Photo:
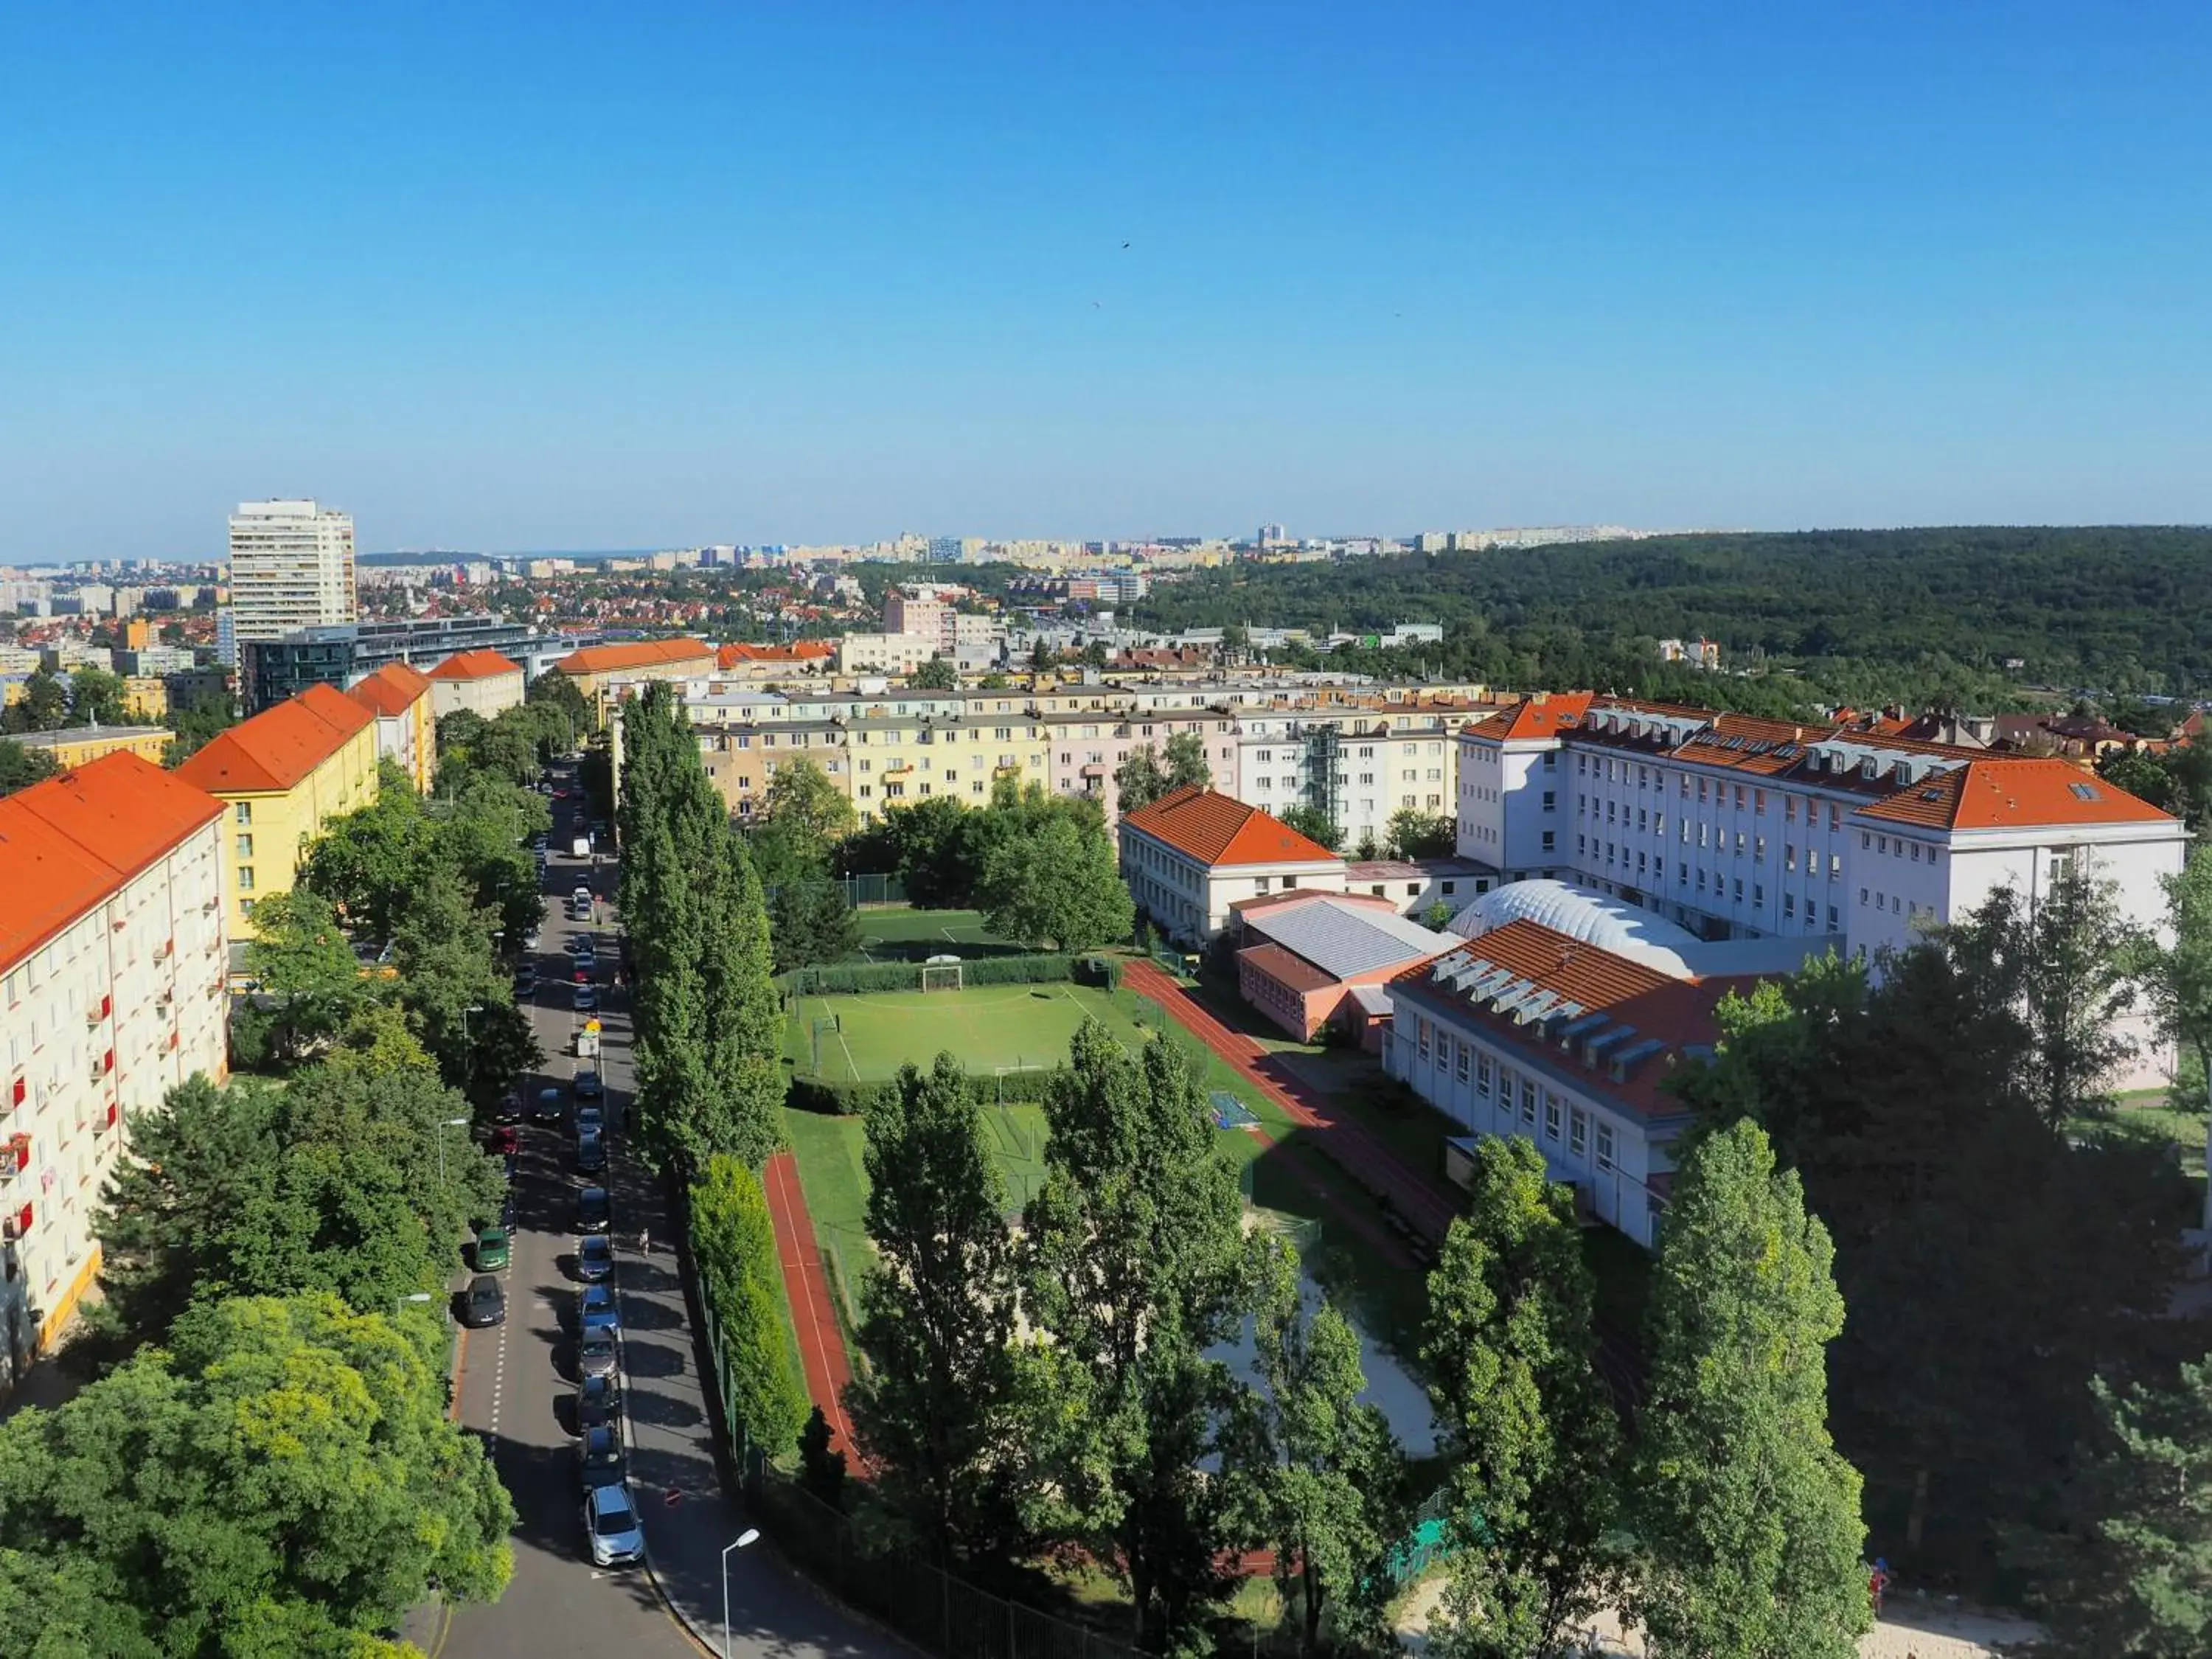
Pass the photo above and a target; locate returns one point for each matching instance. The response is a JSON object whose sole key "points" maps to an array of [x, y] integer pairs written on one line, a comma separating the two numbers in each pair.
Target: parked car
{"points": [[590, 1116], [592, 1209], [587, 998], [503, 1138], [526, 984], [599, 1457], [492, 1250], [611, 1523], [596, 1353], [533, 940], [551, 1108], [596, 1308], [595, 1257], [510, 1107], [586, 1085], [483, 1302], [598, 1400], [591, 1152], [580, 895]]}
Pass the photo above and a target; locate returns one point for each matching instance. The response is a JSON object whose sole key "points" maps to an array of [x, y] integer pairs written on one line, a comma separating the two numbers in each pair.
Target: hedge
{"points": [[848, 977], [733, 1244], [1022, 1088]]}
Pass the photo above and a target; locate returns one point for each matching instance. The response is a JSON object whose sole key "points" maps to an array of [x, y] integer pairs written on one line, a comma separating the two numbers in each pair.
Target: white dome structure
{"points": [[1591, 918]]}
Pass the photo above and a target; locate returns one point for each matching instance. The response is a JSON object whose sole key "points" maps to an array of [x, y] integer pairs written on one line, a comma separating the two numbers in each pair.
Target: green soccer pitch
{"points": [[989, 1029]]}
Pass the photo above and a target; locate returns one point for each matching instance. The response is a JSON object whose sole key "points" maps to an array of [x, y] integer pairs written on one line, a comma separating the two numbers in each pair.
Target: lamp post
{"points": [[750, 1535], [398, 1303], [444, 1124]]}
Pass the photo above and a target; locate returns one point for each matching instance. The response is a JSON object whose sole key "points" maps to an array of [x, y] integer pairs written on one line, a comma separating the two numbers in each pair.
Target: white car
{"points": [[611, 1523]]}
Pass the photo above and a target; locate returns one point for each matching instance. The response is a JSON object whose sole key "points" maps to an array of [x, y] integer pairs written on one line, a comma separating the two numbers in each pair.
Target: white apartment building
{"points": [[291, 567], [113, 959], [1358, 765], [1737, 827], [1191, 854]]}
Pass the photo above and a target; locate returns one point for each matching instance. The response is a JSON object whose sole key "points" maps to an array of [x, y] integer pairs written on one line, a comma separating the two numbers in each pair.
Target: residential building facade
{"points": [[483, 682], [80, 745], [291, 567], [282, 775], [113, 970], [406, 735], [596, 668], [273, 670]]}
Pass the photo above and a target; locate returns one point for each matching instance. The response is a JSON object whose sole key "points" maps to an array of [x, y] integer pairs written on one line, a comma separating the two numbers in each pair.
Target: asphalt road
{"points": [[517, 1378]]}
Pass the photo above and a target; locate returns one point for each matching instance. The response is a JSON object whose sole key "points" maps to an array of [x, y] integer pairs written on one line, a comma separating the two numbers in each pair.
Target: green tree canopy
{"points": [[20, 768], [1314, 825], [1747, 1519], [281, 1477], [734, 1244], [937, 674], [1057, 885], [301, 957]]}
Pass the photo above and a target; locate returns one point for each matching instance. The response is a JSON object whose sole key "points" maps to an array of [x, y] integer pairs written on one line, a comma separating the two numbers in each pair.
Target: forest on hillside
{"points": [[1922, 616]]}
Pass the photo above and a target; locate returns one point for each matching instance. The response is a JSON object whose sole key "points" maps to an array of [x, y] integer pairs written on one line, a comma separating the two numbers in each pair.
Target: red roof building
{"points": [[1191, 854], [483, 682]]}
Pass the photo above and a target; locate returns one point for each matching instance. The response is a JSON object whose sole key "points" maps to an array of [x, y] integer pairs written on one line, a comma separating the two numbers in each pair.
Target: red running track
{"points": [[821, 1343]]}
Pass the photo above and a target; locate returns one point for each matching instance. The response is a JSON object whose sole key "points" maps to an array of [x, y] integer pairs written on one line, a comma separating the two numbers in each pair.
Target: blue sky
{"points": [[557, 276]]}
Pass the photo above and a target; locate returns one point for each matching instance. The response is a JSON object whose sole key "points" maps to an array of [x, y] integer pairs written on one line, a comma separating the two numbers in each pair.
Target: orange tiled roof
{"points": [[475, 666], [634, 653], [730, 656], [1678, 1013], [1217, 829], [278, 747], [2011, 794], [1544, 715], [68, 842], [391, 690]]}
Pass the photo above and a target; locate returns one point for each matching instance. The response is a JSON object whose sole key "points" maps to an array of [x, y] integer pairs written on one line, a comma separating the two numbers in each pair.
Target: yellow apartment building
{"points": [[78, 745], [907, 760], [400, 697], [596, 667], [280, 776]]}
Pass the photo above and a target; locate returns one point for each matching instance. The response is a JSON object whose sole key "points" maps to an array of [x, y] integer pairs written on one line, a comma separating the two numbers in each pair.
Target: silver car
{"points": [[595, 1257], [611, 1523], [596, 1353]]}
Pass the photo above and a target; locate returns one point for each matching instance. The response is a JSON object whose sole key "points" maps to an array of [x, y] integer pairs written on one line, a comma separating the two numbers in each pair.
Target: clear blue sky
{"points": [[562, 276]]}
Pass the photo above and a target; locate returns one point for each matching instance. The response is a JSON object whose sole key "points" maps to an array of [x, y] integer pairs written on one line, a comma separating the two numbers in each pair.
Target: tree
{"points": [[1140, 780], [1043, 656], [733, 1242], [1314, 825], [282, 1479], [195, 722], [821, 1470], [555, 690], [800, 795], [2136, 1581], [1418, 834], [741, 1013], [1315, 1474], [2177, 972], [96, 698], [459, 1001], [934, 850], [937, 674], [933, 1409], [1184, 760], [21, 768], [2064, 963], [1536, 1448], [44, 706], [299, 957], [1058, 885], [1437, 916], [367, 862], [1133, 1268], [1747, 1518], [811, 923]]}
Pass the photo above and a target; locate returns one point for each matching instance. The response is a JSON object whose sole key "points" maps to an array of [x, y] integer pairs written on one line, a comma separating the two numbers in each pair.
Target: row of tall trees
{"points": [[795, 846], [1040, 867], [1060, 1385], [709, 1026]]}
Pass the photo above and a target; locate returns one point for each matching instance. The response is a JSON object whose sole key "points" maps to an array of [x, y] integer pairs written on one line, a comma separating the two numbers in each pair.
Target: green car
{"points": [[491, 1249]]}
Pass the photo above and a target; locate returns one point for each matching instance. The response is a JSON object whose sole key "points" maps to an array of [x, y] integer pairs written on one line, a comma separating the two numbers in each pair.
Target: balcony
{"points": [[100, 1011], [14, 1156]]}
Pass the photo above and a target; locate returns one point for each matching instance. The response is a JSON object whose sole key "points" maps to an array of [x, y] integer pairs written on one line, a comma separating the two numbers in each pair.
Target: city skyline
{"points": [[519, 280]]}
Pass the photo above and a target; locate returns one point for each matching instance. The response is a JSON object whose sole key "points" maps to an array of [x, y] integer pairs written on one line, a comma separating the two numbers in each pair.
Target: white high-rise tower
{"points": [[291, 567]]}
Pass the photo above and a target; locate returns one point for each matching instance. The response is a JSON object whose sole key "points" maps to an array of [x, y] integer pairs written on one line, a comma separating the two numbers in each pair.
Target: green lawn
{"points": [[989, 1029], [899, 932]]}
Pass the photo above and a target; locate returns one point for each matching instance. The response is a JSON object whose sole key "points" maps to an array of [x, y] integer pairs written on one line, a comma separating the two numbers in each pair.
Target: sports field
{"points": [[989, 1029], [901, 933]]}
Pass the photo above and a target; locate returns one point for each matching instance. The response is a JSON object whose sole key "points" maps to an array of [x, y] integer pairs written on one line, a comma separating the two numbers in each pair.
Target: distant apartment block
{"points": [[399, 697], [272, 669], [595, 669], [291, 567], [483, 682], [80, 745], [113, 979]]}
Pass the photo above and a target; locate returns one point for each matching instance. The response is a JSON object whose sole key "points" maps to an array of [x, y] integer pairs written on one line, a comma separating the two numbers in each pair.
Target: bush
{"points": [[733, 1244], [846, 978], [1023, 1088], [252, 1031]]}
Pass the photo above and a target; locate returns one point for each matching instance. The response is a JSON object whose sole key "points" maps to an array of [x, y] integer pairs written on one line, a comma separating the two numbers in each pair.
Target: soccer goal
{"points": [[941, 976]]}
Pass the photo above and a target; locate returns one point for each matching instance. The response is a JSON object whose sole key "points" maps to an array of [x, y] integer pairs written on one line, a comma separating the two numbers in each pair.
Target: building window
{"points": [[1551, 1118], [1528, 1102], [1482, 1075], [1424, 1026], [1550, 841], [245, 847], [1460, 1068], [242, 813], [245, 878], [1579, 1132], [1605, 1146]]}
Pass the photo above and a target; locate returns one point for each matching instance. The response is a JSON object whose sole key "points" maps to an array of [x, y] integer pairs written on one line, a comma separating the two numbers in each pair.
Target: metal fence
{"points": [[873, 890]]}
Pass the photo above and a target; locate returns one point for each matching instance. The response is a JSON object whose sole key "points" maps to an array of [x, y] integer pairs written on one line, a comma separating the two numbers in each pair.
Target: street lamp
{"points": [[750, 1535], [398, 1302], [444, 1124]]}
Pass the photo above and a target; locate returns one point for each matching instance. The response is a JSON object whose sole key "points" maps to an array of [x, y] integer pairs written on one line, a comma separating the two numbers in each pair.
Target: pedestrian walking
{"points": [[645, 1241]]}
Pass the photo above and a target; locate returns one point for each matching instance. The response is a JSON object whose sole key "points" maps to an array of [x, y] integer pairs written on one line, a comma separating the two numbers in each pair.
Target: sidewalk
{"points": [[677, 1471]]}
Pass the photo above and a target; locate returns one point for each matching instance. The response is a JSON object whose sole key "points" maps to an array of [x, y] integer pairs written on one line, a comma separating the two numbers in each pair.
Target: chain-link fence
{"points": [[873, 890]]}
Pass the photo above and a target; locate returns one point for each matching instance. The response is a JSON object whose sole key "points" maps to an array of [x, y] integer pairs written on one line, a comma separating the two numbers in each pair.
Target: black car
{"points": [[483, 1302], [599, 1457], [598, 1399], [510, 1107], [593, 1210]]}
